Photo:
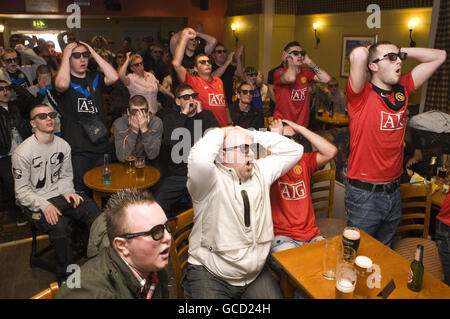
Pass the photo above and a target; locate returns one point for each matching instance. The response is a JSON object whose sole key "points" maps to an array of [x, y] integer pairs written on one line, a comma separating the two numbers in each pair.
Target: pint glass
{"points": [[140, 168], [351, 237], [345, 281], [363, 267]]}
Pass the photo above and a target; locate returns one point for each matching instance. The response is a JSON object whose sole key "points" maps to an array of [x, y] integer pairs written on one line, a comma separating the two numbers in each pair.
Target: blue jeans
{"points": [[199, 283], [280, 243], [443, 244], [376, 213]]}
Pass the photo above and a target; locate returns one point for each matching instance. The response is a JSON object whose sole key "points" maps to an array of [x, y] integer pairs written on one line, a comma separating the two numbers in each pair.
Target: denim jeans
{"points": [[199, 283], [280, 243], [443, 244], [171, 191], [376, 213], [81, 163]]}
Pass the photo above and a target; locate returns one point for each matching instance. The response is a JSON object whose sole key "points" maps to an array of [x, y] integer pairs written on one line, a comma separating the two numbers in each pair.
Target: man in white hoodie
{"points": [[233, 228]]}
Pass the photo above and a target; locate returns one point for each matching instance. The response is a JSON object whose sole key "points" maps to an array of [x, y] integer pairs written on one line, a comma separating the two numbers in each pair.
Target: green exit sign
{"points": [[40, 24]]}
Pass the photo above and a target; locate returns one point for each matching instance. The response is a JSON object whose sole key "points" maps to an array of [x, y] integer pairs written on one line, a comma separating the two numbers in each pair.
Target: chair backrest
{"points": [[416, 207], [180, 246], [323, 182], [48, 293]]}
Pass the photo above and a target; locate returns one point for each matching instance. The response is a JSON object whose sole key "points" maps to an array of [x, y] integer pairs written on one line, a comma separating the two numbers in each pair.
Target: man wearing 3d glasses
{"points": [[291, 84], [131, 264], [233, 228], [42, 171], [377, 111]]}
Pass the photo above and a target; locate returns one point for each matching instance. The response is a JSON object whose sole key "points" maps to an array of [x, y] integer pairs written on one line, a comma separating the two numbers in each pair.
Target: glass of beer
{"points": [[363, 267], [350, 237], [140, 168], [345, 281], [129, 164]]}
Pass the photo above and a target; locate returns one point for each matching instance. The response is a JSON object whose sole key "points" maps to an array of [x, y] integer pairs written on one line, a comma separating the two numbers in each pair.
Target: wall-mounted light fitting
{"points": [[411, 25], [234, 29], [315, 26], [2, 28]]}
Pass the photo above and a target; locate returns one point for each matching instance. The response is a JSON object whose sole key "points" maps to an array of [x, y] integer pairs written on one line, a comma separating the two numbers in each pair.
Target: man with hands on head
{"points": [[233, 228], [209, 88], [138, 132], [291, 84], [290, 195], [42, 172], [81, 98], [192, 119], [377, 112]]}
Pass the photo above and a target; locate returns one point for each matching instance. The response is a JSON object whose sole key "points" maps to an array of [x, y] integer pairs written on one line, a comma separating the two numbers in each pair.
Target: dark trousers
{"points": [[6, 178], [171, 191], [84, 214], [81, 163]]}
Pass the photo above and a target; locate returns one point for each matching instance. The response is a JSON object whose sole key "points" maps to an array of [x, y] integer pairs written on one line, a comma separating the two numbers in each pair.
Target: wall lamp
{"points": [[234, 28], [2, 28], [315, 26], [411, 25]]}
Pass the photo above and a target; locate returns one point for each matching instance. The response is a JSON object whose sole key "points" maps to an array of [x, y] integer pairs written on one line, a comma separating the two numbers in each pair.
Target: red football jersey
{"points": [[293, 99], [212, 96], [376, 133], [444, 214], [290, 197]]}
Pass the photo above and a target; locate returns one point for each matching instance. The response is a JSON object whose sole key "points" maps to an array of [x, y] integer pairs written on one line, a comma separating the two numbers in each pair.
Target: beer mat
{"points": [[387, 290]]}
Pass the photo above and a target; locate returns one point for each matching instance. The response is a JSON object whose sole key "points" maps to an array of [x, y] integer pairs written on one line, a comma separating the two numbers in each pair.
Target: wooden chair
{"points": [[416, 208], [48, 293], [180, 246], [322, 194]]}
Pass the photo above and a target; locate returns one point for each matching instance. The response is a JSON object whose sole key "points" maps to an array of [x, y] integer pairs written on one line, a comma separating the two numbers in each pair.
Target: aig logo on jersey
{"points": [[216, 99], [86, 105], [392, 121], [292, 191], [298, 95]]}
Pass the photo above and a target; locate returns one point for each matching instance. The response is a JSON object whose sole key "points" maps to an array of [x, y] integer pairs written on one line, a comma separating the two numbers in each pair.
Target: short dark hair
{"points": [[36, 106], [116, 207], [373, 52], [43, 69], [199, 56], [182, 87], [219, 44], [138, 100], [242, 84], [291, 44], [250, 69]]}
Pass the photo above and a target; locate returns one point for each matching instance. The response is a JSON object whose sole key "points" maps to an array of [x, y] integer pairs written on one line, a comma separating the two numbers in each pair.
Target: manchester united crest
{"points": [[297, 169], [399, 96], [303, 79]]}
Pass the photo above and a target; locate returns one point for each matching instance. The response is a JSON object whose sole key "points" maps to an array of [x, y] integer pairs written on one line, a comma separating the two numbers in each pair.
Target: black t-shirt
{"points": [[227, 79], [76, 104]]}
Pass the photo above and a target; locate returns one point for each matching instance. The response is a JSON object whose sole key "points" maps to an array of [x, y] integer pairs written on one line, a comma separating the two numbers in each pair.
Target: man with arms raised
{"points": [[377, 111], [210, 88]]}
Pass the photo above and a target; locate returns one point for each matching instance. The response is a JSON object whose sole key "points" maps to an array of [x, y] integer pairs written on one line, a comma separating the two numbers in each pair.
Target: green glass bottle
{"points": [[416, 271]]}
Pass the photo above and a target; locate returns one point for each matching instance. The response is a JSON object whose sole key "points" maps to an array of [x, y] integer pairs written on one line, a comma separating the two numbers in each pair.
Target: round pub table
{"points": [[337, 119], [119, 180]]}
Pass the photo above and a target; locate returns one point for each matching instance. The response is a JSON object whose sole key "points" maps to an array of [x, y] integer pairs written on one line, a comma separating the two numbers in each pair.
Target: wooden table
{"points": [[302, 267], [119, 180], [338, 119]]}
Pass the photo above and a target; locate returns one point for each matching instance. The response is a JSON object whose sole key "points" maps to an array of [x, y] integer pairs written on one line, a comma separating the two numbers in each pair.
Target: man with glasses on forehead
{"points": [[43, 178], [13, 72], [377, 111], [192, 120], [226, 71], [131, 265], [138, 132], [243, 112], [291, 84], [81, 99], [233, 228], [253, 77], [210, 88]]}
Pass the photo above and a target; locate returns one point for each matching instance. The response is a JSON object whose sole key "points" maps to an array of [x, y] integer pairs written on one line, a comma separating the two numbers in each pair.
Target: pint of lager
{"points": [[345, 281], [350, 237], [129, 164], [140, 168], [363, 266]]}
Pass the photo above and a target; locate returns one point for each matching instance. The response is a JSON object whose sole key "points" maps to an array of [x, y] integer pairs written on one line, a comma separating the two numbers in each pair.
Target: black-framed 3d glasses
{"points": [[11, 60], [77, 55], [245, 92], [297, 53], [186, 97], [157, 232], [43, 116], [7, 88], [392, 56], [244, 148]]}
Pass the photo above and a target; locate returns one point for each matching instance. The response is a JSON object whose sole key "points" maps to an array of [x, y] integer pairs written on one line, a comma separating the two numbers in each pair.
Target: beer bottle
{"points": [[106, 170], [416, 271], [432, 169]]}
